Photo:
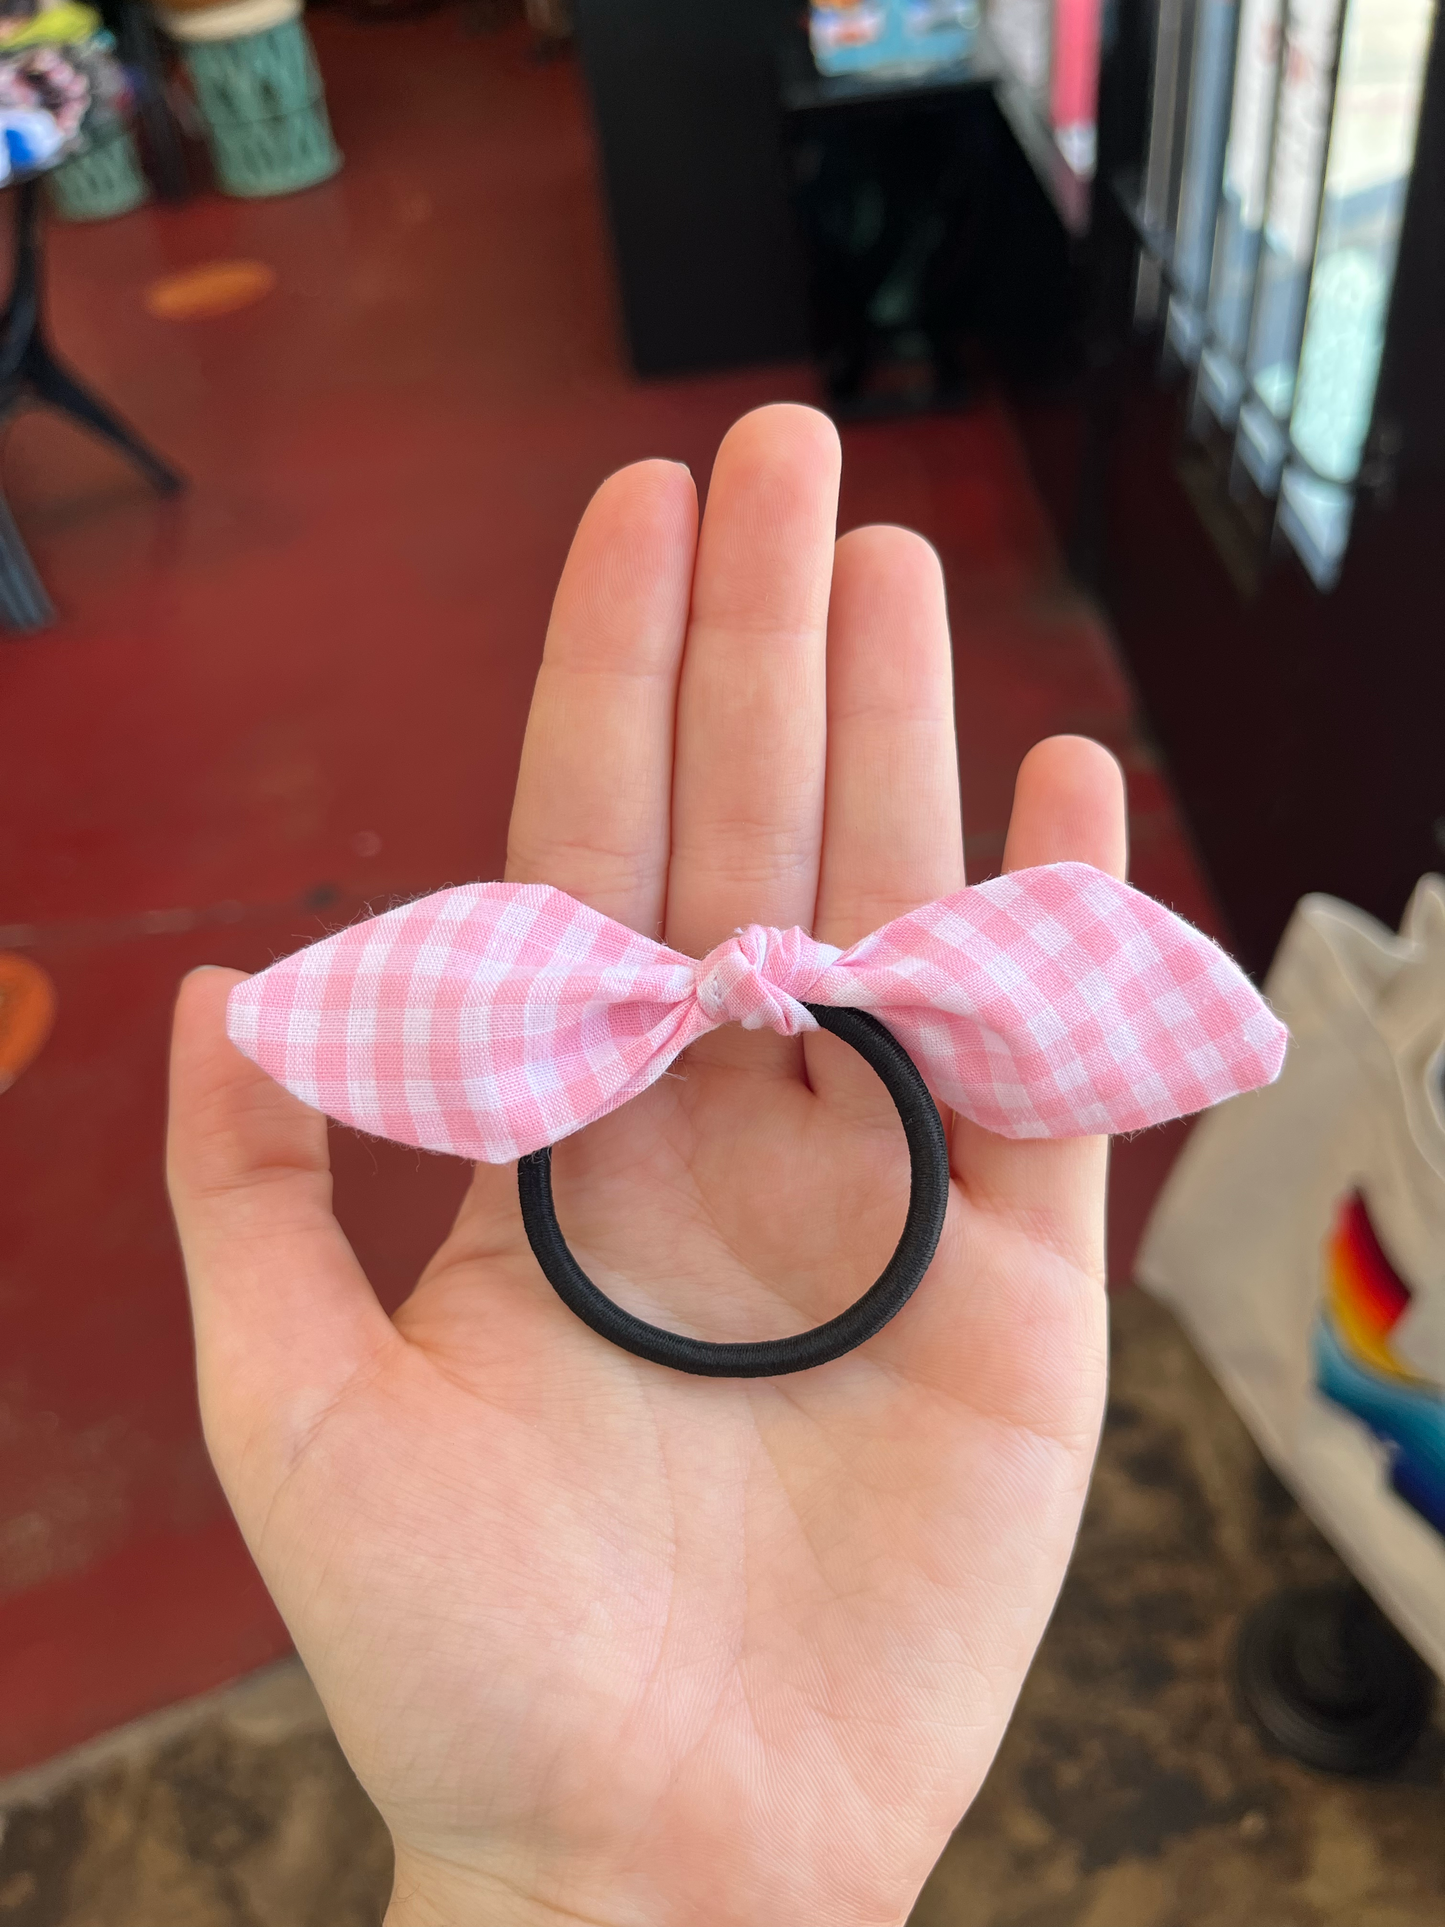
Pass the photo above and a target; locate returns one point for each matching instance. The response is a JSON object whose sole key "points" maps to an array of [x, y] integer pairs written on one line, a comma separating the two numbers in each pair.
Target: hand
{"points": [[605, 1643]]}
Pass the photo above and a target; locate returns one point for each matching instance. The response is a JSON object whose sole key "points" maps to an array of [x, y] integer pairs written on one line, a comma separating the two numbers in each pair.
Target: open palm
{"points": [[606, 1643]]}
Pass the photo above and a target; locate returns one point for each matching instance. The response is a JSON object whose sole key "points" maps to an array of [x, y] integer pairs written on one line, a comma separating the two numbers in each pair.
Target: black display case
{"points": [[685, 99], [738, 179]]}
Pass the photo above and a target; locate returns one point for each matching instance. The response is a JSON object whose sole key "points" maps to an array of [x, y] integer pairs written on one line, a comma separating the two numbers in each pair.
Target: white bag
{"points": [[1301, 1241]]}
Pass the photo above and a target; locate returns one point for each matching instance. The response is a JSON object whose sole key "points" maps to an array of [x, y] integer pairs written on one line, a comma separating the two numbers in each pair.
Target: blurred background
{"points": [[321, 332]]}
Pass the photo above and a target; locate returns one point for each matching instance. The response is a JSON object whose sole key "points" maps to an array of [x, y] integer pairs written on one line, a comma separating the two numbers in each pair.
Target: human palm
{"points": [[604, 1642]]}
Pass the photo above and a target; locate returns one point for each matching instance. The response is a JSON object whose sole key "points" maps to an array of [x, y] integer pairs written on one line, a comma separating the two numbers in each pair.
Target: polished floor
{"points": [[300, 688]]}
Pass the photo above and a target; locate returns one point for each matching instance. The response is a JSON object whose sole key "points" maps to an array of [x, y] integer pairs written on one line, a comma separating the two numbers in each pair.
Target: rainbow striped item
{"points": [[1358, 1368]]}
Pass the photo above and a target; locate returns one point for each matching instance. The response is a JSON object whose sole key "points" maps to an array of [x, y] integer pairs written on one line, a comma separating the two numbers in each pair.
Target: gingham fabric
{"points": [[493, 1019]]}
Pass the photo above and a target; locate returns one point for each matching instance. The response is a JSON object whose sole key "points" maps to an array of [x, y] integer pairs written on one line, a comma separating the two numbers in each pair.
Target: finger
{"points": [[1028, 1352], [591, 814], [284, 1317], [1068, 807], [893, 828], [747, 812]]}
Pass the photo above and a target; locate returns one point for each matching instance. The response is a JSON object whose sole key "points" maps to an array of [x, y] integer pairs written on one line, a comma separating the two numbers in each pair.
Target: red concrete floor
{"points": [[300, 688]]}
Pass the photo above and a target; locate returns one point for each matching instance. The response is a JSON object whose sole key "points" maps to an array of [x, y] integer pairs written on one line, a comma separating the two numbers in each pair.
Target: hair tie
{"points": [[492, 1020], [771, 1358]]}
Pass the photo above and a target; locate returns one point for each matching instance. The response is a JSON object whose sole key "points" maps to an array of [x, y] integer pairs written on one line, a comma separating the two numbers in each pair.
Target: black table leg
{"points": [[31, 372], [24, 605], [58, 388]]}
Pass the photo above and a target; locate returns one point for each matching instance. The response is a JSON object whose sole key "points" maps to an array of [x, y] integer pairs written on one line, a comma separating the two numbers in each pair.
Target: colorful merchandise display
{"points": [[870, 36], [60, 84]]}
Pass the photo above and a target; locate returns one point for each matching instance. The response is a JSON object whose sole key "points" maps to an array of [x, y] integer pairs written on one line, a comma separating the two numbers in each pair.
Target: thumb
{"points": [[284, 1317]]}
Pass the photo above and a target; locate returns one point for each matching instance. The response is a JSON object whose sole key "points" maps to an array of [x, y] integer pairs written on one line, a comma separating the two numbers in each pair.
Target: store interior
{"points": [[274, 672]]}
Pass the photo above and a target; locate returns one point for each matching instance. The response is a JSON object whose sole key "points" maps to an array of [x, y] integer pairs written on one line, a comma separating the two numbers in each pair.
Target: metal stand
{"points": [[30, 372], [1326, 1677]]}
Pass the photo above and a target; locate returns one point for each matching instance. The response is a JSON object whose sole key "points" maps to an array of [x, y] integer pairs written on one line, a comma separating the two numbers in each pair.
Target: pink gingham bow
{"points": [[493, 1019]]}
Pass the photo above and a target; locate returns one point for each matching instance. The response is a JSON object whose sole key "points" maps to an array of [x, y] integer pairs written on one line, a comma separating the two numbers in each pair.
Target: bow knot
{"points": [[760, 977]]}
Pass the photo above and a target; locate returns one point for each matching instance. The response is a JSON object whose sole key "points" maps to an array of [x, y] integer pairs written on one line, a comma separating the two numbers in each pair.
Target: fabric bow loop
{"points": [[760, 978], [496, 1018]]}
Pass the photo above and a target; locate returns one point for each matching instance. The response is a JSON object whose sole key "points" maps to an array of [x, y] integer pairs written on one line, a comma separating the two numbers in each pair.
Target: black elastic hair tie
{"points": [[769, 1358]]}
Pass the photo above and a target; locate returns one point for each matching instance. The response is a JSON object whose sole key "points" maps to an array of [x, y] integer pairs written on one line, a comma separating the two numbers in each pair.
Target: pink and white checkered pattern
{"points": [[491, 1020]]}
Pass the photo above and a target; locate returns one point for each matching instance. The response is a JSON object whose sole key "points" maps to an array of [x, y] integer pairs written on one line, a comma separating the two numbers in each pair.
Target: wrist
{"points": [[431, 1893]]}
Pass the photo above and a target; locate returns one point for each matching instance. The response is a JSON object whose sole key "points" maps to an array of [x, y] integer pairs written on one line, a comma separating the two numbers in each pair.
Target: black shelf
{"points": [[803, 90]]}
